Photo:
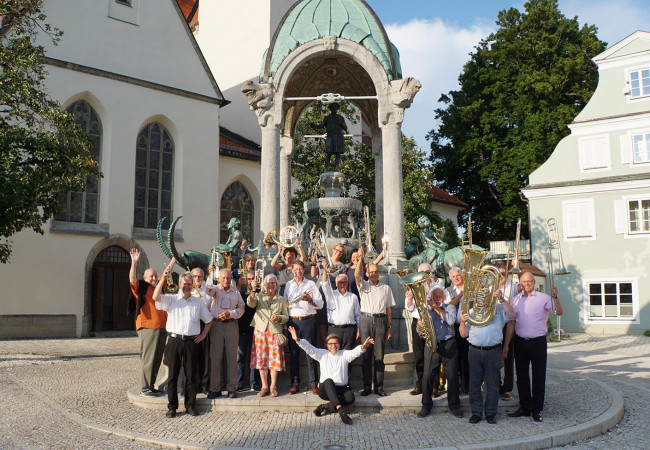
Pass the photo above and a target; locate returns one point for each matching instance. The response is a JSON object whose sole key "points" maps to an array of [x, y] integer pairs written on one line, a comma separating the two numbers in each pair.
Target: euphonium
{"points": [[416, 282], [481, 283]]}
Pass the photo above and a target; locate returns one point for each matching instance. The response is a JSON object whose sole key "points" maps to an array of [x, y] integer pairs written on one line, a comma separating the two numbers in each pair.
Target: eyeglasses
{"points": [[333, 343]]}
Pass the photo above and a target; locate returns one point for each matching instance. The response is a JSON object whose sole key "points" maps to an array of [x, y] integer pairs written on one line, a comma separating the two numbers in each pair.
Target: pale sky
{"points": [[435, 37]]}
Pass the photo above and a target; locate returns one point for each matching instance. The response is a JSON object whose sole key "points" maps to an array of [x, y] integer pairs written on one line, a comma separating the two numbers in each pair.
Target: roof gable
{"points": [[637, 42]]}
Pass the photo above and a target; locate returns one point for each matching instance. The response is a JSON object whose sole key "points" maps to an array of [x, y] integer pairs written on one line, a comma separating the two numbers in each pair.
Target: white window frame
{"points": [[594, 153], [611, 320], [568, 209], [622, 216], [628, 80]]}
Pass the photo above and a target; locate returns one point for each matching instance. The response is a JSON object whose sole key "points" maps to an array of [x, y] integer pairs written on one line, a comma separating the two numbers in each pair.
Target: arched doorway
{"points": [[110, 294]]}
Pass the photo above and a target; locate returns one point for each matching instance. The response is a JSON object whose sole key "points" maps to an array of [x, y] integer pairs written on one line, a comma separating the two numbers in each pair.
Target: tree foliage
{"points": [[43, 154], [358, 164], [522, 85]]}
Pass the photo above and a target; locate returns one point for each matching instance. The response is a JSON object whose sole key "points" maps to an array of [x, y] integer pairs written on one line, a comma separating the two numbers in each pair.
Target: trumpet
{"points": [[172, 287], [214, 261], [260, 265], [553, 244], [299, 296]]}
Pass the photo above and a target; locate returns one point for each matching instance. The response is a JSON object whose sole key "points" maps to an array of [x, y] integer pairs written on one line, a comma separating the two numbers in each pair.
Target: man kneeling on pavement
{"points": [[334, 375]]}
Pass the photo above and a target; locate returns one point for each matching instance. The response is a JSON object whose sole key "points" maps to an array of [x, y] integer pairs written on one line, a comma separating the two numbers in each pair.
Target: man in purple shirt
{"points": [[531, 310]]}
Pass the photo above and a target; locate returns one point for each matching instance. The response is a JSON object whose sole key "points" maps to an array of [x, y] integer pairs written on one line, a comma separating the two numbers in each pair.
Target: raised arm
{"points": [[358, 276], [133, 272]]}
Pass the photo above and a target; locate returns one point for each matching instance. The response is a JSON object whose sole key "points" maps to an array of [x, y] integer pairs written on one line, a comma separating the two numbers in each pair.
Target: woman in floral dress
{"points": [[270, 314]]}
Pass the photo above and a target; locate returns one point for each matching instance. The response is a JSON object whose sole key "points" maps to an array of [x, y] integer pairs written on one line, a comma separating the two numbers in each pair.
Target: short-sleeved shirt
{"points": [[149, 316], [531, 314], [490, 334], [184, 315], [375, 299]]}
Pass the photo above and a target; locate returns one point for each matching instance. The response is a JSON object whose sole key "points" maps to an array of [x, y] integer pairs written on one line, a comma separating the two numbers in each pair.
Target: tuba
{"points": [[416, 283], [481, 283]]}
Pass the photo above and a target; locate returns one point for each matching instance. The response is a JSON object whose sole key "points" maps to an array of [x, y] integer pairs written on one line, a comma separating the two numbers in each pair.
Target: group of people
{"points": [[472, 356], [248, 325]]}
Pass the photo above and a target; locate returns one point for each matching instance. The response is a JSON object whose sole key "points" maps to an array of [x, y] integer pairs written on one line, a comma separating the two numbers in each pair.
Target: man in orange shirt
{"points": [[149, 324]]}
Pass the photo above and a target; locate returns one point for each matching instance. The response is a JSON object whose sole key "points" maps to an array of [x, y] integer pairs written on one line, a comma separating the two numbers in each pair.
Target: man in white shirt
{"points": [[343, 309], [184, 314], [375, 322], [304, 299], [226, 307], [334, 374]]}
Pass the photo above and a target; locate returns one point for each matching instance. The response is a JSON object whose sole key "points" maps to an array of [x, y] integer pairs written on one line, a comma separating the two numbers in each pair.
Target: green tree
{"points": [[43, 153], [521, 87]]}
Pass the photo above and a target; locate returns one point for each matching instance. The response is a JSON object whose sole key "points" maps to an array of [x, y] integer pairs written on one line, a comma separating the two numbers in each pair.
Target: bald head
{"points": [[528, 282]]}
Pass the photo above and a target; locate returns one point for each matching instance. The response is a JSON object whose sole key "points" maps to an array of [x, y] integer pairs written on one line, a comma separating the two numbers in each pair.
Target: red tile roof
{"points": [[438, 195], [190, 10]]}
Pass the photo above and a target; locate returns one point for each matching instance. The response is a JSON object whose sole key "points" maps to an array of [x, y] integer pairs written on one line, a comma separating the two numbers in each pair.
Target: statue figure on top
{"points": [[334, 125]]}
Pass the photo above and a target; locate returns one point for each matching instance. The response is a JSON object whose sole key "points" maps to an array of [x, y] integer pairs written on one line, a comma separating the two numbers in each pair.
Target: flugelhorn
{"points": [[416, 283], [295, 300], [481, 283], [172, 287]]}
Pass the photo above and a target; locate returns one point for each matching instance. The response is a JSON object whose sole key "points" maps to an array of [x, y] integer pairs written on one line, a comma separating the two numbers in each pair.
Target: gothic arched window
{"points": [[153, 176], [83, 207], [236, 202]]}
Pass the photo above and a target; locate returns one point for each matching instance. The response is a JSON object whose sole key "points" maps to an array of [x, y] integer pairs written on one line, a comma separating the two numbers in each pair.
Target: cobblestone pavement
{"points": [[56, 402]]}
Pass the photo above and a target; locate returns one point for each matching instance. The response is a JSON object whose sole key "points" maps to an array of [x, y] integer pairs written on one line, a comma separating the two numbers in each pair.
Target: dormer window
{"points": [[639, 83]]}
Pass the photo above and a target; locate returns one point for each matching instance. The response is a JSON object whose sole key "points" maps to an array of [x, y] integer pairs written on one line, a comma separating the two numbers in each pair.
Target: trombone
{"points": [[554, 244], [213, 276]]}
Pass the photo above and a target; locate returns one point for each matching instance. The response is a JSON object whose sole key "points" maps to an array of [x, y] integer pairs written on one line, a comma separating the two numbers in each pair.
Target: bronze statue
{"points": [[334, 125]]}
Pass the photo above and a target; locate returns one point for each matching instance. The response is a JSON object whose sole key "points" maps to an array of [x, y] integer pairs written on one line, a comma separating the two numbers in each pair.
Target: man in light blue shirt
{"points": [[443, 317], [485, 360]]}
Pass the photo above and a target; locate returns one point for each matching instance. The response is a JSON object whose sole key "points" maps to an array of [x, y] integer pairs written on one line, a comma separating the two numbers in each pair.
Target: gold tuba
{"points": [[481, 283], [416, 283]]}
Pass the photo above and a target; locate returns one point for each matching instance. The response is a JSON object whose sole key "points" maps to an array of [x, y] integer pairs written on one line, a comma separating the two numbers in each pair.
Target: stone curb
{"points": [[599, 425]]}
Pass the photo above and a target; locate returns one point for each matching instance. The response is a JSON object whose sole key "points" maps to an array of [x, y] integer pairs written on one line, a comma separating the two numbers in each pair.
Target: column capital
{"points": [[261, 100], [396, 99]]}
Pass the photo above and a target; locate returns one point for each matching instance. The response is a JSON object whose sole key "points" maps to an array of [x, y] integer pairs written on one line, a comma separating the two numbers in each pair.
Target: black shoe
{"points": [[492, 419], [232, 394], [344, 417], [475, 419], [214, 394], [148, 393], [242, 389], [320, 410], [158, 393], [380, 392], [537, 416], [365, 392], [456, 412], [192, 411], [416, 391], [171, 413], [424, 412], [521, 412]]}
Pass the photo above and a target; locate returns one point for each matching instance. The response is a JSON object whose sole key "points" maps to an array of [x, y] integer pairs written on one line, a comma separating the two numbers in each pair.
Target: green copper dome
{"points": [[353, 20]]}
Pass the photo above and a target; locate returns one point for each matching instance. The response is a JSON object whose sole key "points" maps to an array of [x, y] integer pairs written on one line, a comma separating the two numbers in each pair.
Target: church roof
{"points": [[309, 20], [438, 195]]}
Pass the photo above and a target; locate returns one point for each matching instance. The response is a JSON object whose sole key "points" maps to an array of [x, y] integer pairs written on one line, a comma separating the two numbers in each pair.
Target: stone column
{"points": [[391, 133], [379, 188], [286, 152], [270, 185]]}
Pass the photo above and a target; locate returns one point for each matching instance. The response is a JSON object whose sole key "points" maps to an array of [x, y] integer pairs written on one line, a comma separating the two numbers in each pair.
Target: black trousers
{"points": [[508, 367], [418, 353], [181, 353], [463, 359], [203, 374], [348, 335], [531, 353], [484, 365], [306, 329], [376, 328], [447, 353], [335, 395]]}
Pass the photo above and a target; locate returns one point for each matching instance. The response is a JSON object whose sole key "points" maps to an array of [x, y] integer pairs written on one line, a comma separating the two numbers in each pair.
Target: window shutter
{"points": [[626, 150], [620, 217]]}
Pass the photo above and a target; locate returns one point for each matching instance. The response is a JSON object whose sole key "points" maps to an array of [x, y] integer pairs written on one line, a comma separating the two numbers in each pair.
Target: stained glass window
{"points": [[236, 202]]}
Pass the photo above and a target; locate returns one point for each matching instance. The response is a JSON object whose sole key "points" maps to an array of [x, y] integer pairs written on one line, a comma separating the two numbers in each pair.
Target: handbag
{"points": [[282, 339]]}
